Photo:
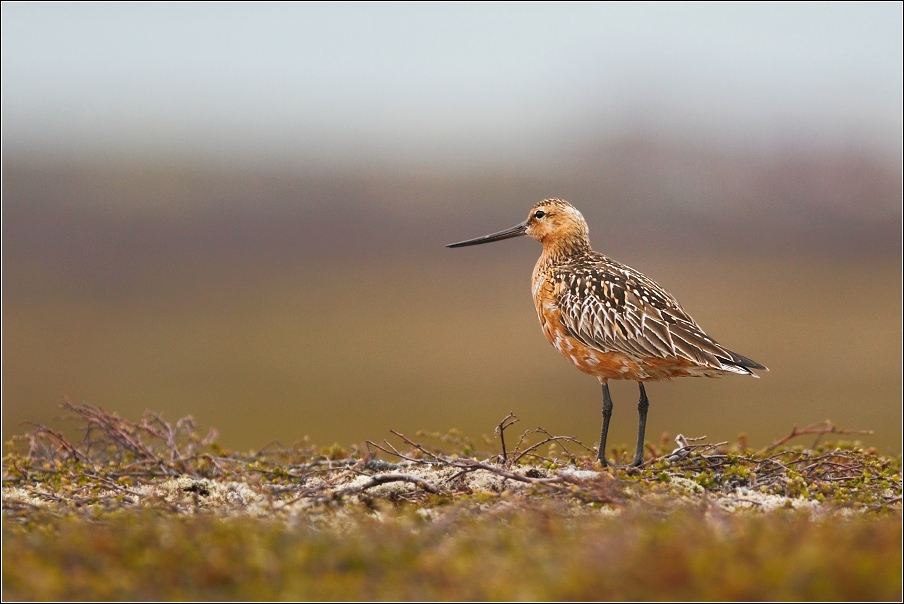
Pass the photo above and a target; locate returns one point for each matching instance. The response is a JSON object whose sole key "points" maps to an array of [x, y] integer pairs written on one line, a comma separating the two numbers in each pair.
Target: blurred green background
{"points": [[240, 212]]}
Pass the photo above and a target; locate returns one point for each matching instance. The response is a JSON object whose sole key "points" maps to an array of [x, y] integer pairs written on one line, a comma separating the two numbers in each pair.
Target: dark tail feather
{"points": [[741, 361]]}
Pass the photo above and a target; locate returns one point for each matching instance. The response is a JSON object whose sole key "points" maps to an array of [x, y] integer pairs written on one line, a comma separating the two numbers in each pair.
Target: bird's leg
{"points": [[642, 407], [607, 415]]}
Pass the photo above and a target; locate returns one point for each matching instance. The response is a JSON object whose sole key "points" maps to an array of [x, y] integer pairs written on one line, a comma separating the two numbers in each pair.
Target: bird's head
{"points": [[553, 222]]}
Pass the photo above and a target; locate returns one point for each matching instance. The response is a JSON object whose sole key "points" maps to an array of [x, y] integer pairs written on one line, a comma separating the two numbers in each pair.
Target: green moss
{"points": [[150, 510], [528, 552]]}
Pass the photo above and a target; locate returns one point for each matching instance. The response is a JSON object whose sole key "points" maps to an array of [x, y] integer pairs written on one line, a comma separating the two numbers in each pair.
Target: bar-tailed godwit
{"points": [[610, 320]]}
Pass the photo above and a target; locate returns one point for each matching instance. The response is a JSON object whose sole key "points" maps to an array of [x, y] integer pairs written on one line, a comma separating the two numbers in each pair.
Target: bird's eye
{"points": [[539, 214]]}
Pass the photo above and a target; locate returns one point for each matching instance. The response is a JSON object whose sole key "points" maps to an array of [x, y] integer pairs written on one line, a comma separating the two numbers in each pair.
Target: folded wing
{"points": [[611, 307]]}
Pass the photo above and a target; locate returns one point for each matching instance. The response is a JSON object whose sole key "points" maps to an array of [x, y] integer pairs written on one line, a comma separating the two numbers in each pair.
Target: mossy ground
{"points": [[151, 510]]}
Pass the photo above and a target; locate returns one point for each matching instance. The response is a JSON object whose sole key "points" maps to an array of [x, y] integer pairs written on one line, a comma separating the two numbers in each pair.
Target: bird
{"points": [[610, 320]]}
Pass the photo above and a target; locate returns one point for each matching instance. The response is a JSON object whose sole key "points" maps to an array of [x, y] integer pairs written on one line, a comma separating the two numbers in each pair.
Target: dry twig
{"points": [[820, 428]]}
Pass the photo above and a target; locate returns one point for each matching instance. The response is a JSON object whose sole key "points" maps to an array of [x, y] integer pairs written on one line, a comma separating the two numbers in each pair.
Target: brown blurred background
{"points": [[197, 221]]}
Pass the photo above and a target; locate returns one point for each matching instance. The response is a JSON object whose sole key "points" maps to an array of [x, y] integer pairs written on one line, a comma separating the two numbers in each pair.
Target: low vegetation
{"points": [[158, 510]]}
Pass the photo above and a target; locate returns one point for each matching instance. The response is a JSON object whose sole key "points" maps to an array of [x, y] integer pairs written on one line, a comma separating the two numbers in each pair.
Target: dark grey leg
{"points": [[607, 415], [642, 407]]}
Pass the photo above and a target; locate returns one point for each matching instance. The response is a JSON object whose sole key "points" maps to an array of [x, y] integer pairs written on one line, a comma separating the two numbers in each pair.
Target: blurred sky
{"points": [[442, 84], [239, 210]]}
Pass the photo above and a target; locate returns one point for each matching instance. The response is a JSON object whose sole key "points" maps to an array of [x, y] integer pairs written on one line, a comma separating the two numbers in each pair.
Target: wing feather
{"points": [[612, 308]]}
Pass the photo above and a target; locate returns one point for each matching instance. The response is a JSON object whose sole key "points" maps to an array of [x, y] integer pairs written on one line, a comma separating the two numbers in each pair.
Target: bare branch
{"points": [[821, 428], [387, 478], [500, 431]]}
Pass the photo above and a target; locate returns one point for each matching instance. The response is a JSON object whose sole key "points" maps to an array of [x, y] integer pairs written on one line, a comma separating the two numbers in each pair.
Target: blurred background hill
{"points": [[239, 212]]}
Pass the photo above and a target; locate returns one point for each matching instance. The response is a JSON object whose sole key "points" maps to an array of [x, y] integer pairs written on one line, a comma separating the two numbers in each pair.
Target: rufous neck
{"points": [[561, 248]]}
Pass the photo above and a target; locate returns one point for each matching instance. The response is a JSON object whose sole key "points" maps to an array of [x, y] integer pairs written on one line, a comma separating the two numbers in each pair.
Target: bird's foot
{"points": [[636, 463]]}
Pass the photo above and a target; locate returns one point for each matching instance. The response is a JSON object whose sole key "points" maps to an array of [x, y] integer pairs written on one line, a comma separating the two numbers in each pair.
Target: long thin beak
{"points": [[515, 231]]}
